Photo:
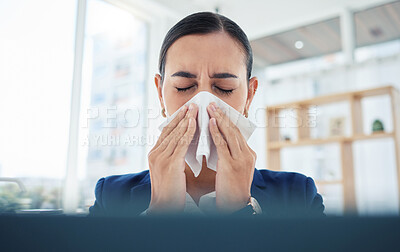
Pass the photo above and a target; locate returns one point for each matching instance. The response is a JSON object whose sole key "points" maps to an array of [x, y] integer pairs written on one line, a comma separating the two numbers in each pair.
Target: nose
{"points": [[204, 84]]}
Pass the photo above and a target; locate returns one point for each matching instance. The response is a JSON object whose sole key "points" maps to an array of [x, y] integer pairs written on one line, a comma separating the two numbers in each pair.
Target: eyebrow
{"points": [[215, 76], [184, 75], [223, 76]]}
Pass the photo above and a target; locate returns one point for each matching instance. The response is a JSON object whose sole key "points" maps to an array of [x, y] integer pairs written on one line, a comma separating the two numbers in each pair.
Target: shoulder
{"points": [[120, 184], [294, 183], [125, 181], [289, 190], [282, 179], [113, 193]]}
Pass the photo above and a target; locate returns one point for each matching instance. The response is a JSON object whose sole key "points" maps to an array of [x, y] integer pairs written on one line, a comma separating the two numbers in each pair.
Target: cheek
{"points": [[173, 101], [237, 100]]}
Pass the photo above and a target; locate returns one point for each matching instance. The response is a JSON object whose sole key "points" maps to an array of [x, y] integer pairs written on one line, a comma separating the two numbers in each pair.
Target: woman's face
{"points": [[214, 63]]}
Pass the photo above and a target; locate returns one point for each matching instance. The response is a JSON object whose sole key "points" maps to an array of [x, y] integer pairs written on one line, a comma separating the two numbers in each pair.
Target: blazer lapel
{"points": [[259, 191]]}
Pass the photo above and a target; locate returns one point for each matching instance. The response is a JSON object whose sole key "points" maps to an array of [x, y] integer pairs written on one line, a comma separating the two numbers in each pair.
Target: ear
{"points": [[253, 85], [158, 82]]}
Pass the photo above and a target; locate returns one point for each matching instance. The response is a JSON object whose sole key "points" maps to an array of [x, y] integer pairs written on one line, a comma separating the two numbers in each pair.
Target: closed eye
{"points": [[183, 89], [221, 90], [225, 91]]}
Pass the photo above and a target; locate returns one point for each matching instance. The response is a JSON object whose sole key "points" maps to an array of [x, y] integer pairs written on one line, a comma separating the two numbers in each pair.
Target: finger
{"points": [[181, 150], [169, 141], [226, 127], [219, 141], [177, 137], [173, 139], [171, 126]]}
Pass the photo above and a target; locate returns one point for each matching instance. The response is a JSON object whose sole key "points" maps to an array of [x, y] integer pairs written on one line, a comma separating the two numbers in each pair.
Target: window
{"points": [[36, 70], [36, 64], [113, 95]]}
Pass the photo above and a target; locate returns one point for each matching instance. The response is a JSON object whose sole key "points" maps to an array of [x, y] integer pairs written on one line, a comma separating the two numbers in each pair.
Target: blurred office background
{"points": [[78, 100]]}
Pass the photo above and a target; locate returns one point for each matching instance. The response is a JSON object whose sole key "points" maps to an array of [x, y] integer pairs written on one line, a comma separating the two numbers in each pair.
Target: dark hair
{"points": [[204, 23]]}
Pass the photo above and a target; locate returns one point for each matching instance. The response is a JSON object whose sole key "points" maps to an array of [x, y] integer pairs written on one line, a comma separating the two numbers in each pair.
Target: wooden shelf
{"points": [[339, 139], [385, 90], [301, 109]]}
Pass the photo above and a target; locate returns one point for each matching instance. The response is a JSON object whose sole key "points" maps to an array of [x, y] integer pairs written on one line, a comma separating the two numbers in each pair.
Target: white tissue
{"points": [[202, 143]]}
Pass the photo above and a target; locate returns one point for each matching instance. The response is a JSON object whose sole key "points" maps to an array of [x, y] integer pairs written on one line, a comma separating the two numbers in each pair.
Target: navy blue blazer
{"points": [[279, 194]]}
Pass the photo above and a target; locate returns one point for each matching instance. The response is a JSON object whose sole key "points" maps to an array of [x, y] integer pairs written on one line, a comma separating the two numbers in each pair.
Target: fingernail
{"points": [[213, 107], [191, 107], [191, 122], [213, 121]]}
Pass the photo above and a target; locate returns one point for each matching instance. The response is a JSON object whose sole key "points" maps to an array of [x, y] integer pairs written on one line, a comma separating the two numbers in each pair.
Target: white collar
{"points": [[206, 204]]}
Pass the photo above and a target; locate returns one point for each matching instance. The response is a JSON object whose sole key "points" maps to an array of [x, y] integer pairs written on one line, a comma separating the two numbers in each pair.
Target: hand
{"points": [[167, 163], [235, 165]]}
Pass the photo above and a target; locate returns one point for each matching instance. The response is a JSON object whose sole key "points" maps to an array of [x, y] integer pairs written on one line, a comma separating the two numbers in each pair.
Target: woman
{"points": [[205, 52]]}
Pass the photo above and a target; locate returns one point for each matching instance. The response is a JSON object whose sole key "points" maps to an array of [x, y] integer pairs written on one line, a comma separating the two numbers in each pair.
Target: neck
{"points": [[202, 184]]}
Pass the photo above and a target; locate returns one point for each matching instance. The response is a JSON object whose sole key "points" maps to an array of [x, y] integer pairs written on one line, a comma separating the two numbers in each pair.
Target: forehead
{"points": [[214, 50]]}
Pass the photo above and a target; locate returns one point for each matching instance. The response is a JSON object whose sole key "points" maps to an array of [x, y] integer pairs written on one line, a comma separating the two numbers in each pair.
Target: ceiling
{"points": [[259, 18], [312, 40], [372, 26], [378, 24], [275, 26]]}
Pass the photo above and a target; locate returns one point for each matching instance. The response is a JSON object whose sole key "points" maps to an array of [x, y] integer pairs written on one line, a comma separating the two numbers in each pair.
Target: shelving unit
{"points": [[274, 144]]}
